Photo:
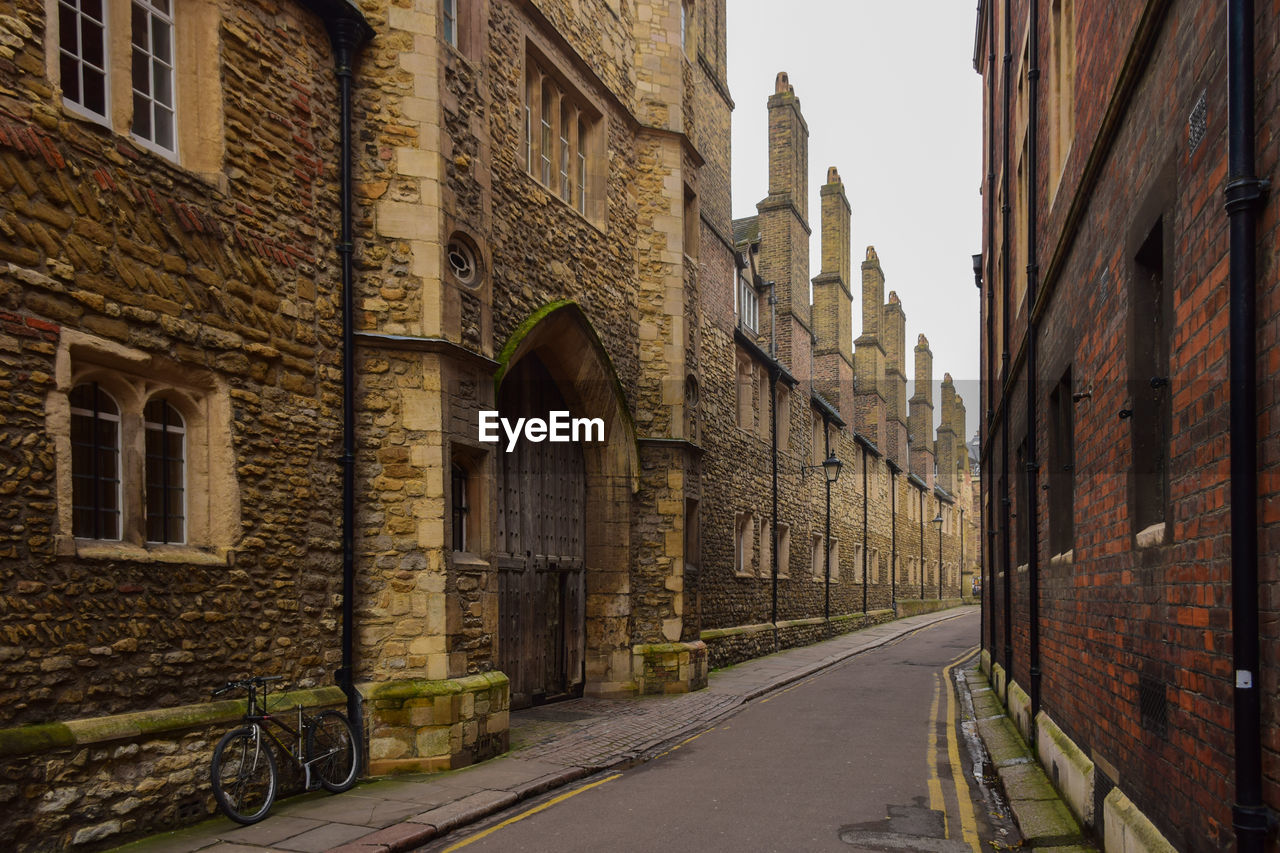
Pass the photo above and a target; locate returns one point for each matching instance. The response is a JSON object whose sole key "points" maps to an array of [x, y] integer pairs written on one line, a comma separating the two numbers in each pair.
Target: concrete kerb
{"points": [[1042, 817]]}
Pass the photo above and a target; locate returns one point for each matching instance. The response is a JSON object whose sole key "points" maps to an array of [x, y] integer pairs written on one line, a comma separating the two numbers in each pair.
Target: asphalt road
{"points": [[863, 756]]}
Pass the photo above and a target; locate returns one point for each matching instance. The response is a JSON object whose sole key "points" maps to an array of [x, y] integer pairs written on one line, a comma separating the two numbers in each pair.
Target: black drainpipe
{"points": [[1243, 198], [347, 32], [865, 498], [893, 541], [773, 410], [989, 493], [826, 592], [1033, 286], [1005, 284], [921, 544]]}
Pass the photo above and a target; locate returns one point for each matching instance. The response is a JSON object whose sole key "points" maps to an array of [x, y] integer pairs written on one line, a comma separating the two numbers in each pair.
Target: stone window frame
{"points": [[744, 533], [199, 137], [744, 384], [764, 565], [784, 549], [818, 559], [783, 443], [133, 379], [472, 462], [563, 133]]}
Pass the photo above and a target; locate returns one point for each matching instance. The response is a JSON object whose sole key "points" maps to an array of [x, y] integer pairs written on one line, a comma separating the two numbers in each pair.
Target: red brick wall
{"points": [[1118, 612]]}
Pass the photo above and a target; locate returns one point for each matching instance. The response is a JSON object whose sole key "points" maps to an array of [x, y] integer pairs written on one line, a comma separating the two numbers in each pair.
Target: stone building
{"points": [[169, 432], [539, 220], [1129, 429], [785, 386]]}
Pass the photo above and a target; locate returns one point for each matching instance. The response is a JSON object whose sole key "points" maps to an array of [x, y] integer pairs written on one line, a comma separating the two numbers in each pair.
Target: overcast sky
{"points": [[891, 98]]}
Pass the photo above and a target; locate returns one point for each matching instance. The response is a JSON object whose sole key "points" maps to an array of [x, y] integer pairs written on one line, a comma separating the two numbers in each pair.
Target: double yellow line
{"points": [[968, 821]]}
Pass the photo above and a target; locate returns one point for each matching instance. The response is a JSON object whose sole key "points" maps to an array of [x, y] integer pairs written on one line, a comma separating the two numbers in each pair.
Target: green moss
{"points": [[531, 322], [30, 739], [160, 721]]}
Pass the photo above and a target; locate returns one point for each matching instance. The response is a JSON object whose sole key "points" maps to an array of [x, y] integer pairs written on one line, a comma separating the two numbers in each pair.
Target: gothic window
{"points": [[145, 456], [95, 463], [166, 476], [784, 550]]}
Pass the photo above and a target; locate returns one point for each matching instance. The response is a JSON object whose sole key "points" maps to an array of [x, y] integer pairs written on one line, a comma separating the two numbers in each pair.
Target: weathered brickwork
{"points": [[1135, 616]]}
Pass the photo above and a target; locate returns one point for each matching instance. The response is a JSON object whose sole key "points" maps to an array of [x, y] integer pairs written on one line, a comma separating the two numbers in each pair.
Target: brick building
{"points": [[540, 219], [1128, 454]]}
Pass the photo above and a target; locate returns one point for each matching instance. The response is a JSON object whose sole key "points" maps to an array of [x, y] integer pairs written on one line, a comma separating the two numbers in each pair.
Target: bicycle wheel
{"points": [[243, 775], [331, 744]]}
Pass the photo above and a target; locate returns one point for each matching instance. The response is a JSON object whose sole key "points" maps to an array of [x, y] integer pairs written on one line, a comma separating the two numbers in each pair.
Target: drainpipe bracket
{"points": [[1244, 193], [1257, 820]]}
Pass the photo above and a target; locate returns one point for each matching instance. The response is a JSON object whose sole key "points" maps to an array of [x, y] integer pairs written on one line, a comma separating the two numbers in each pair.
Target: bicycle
{"points": [[244, 772]]}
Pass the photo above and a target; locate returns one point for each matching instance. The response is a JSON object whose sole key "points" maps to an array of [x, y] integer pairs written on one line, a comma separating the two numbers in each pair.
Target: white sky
{"points": [[892, 101]]}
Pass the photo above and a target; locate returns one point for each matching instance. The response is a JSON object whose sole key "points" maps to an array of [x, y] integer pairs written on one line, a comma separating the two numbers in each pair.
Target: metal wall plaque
{"points": [[1197, 123]]}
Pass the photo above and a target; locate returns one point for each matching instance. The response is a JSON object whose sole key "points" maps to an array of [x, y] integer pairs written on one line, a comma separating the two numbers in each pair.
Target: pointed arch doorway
{"points": [[541, 548]]}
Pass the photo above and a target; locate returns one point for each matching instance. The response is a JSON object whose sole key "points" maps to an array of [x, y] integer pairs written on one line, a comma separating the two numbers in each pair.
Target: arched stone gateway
{"points": [[563, 535]]}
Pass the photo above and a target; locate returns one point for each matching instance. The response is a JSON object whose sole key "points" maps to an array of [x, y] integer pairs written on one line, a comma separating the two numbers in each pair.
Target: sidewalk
{"points": [[1043, 820], [551, 746]]}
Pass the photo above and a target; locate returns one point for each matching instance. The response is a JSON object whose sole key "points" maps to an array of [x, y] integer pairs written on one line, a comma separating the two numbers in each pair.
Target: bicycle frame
{"points": [[258, 717]]}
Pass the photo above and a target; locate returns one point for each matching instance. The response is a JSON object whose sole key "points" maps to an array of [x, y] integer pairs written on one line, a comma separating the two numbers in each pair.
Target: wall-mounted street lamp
{"points": [[938, 521], [831, 470]]}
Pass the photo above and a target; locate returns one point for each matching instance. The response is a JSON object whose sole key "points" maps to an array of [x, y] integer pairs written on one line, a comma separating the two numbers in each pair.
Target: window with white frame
{"points": [[140, 67], [449, 27], [153, 78], [746, 302], [82, 54]]}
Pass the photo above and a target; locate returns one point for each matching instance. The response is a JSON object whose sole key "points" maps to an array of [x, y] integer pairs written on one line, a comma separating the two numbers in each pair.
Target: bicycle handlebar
{"points": [[246, 683]]}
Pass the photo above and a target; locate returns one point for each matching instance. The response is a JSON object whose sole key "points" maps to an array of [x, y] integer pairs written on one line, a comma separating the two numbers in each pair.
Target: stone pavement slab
{"points": [[323, 838], [551, 746], [1043, 818]]}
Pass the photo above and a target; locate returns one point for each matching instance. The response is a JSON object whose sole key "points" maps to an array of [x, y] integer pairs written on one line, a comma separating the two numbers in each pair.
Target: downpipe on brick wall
{"points": [[1033, 288], [348, 30], [1244, 195], [1005, 283]]}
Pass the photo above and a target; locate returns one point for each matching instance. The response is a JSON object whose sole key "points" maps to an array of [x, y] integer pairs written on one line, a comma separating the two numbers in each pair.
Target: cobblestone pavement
{"points": [[551, 746]]}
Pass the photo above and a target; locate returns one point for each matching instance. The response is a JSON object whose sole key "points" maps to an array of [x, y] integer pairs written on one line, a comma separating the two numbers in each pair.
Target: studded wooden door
{"points": [[540, 549]]}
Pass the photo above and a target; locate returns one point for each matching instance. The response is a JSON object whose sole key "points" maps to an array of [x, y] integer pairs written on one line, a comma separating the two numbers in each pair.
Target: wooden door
{"points": [[540, 549]]}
